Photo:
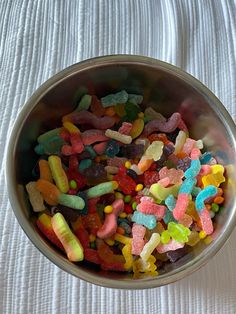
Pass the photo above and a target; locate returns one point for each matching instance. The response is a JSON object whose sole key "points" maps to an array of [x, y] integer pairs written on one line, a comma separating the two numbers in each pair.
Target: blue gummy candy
{"points": [[126, 227], [149, 221], [194, 169], [170, 202], [205, 158], [91, 151], [112, 148], [39, 149], [187, 186], [84, 164], [114, 99], [169, 217], [209, 191]]}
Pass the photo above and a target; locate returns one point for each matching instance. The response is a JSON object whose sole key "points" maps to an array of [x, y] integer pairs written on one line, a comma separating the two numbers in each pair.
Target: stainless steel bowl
{"points": [[167, 89]]}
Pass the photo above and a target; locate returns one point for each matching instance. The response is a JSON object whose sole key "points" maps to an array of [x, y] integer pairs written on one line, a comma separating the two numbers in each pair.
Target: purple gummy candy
{"points": [[96, 174], [184, 164], [69, 213], [177, 254], [132, 151], [168, 149]]}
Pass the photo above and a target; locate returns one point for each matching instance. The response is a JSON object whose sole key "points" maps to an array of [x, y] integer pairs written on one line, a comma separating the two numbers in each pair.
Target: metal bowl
{"points": [[167, 89]]}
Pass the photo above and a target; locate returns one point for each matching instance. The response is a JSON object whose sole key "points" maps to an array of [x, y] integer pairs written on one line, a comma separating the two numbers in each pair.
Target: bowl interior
{"points": [[166, 89]]}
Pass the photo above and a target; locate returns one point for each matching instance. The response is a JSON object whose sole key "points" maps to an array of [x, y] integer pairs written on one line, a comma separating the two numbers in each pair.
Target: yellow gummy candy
{"points": [[193, 238], [70, 127], [154, 151], [179, 142], [141, 266], [215, 178], [70, 242], [158, 191], [122, 239], [127, 253], [137, 128], [150, 246], [58, 173]]}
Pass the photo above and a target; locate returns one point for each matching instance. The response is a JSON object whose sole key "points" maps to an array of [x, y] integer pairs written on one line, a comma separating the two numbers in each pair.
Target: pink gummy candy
{"points": [[182, 126], [138, 232], [100, 148], [206, 221], [174, 176], [195, 153], [76, 146], [205, 170], [164, 182], [86, 117], [171, 246], [156, 125], [188, 146], [93, 135], [125, 128], [149, 207], [110, 223], [181, 206]]}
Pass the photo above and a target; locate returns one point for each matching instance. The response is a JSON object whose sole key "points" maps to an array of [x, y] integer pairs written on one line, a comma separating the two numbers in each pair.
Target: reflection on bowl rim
{"points": [[36, 239]]}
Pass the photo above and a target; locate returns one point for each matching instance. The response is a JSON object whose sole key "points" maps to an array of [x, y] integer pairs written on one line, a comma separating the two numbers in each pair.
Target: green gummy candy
{"points": [[100, 189], [135, 99], [72, 201], [132, 111], [165, 237], [91, 151], [84, 164], [114, 99], [47, 136], [158, 191], [84, 103], [39, 149], [53, 145], [178, 232]]}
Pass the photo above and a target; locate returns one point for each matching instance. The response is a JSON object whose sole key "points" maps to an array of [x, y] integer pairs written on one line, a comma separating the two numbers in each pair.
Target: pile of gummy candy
{"points": [[124, 189]]}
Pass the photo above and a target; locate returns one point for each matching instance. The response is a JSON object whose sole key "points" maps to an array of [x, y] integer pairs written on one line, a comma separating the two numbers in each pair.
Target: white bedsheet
{"points": [[38, 39]]}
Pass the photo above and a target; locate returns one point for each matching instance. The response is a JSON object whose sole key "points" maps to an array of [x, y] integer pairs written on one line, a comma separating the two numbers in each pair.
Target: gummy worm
{"points": [[167, 127], [86, 117], [125, 139], [110, 223], [70, 242], [206, 193], [93, 135]]}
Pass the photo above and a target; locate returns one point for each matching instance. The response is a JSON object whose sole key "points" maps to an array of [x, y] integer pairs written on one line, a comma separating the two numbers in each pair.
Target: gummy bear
{"points": [[178, 232], [112, 148]]}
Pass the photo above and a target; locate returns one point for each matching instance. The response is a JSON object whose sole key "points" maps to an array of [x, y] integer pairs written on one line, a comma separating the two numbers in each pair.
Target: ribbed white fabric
{"points": [[38, 39]]}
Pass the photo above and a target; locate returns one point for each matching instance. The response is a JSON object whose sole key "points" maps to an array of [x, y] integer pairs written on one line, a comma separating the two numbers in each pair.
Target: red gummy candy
{"points": [[109, 260], [150, 177], [92, 202], [96, 107], [128, 209], [92, 222], [65, 135], [73, 162], [126, 184], [91, 255], [72, 174]]}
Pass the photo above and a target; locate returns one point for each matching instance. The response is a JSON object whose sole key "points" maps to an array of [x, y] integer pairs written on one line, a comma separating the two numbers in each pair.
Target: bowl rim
{"points": [[37, 240]]}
